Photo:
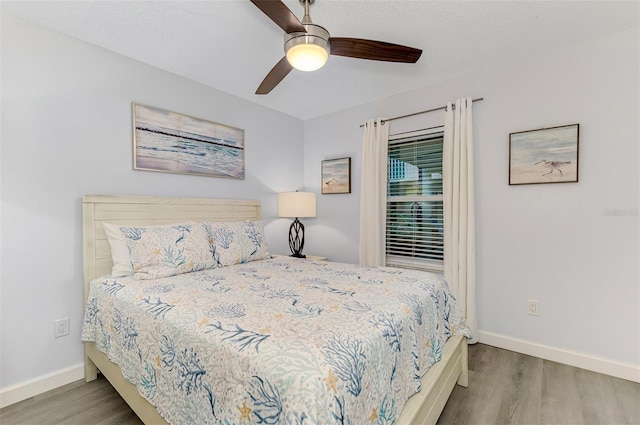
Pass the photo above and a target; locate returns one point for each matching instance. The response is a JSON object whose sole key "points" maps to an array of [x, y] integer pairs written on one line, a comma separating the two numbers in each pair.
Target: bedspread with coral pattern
{"points": [[276, 341]]}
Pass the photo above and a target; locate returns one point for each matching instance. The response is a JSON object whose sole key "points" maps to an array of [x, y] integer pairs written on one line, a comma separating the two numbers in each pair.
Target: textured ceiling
{"points": [[230, 45]]}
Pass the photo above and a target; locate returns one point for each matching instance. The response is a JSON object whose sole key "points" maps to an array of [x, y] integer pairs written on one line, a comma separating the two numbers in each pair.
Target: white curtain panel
{"points": [[373, 190], [459, 209]]}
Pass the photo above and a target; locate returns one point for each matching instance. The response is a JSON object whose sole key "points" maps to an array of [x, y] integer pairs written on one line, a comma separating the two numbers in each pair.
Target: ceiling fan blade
{"points": [[280, 14], [373, 50], [273, 78]]}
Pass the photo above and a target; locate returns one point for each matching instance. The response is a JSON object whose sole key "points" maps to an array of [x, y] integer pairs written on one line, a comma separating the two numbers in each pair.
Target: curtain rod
{"points": [[423, 112]]}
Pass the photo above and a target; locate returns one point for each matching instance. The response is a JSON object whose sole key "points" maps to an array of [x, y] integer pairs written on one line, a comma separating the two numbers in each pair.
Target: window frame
{"points": [[399, 260]]}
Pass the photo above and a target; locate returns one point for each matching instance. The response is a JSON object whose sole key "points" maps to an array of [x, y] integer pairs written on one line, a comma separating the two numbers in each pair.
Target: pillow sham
{"points": [[119, 251], [168, 250], [237, 242]]}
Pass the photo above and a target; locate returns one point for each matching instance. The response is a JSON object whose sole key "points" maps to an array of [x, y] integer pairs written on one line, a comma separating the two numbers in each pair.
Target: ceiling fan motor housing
{"points": [[315, 39]]}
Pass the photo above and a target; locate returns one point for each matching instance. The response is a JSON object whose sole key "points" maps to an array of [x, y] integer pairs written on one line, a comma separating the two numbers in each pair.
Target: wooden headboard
{"points": [[145, 211]]}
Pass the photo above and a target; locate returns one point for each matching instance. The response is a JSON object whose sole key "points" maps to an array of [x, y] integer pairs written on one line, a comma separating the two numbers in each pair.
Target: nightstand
{"points": [[317, 258]]}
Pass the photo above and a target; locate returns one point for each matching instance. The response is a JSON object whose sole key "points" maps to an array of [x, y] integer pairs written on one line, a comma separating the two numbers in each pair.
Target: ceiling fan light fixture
{"points": [[307, 57], [307, 51]]}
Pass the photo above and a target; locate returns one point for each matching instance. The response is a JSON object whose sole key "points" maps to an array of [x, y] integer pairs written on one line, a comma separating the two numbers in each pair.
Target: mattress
{"points": [[280, 340]]}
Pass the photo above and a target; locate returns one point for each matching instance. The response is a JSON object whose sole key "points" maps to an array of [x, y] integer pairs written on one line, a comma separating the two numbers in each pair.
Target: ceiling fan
{"points": [[308, 46]]}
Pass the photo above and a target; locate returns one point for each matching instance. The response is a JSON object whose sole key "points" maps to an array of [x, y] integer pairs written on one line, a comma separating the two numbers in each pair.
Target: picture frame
{"points": [[171, 142], [336, 176], [545, 155]]}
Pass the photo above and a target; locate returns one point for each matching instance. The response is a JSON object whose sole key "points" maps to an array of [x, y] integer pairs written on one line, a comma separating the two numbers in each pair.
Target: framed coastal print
{"points": [[547, 155], [336, 176], [170, 142]]}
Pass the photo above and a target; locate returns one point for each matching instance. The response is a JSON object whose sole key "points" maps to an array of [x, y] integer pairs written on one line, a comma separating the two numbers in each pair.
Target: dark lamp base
{"points": [[296, 239]]}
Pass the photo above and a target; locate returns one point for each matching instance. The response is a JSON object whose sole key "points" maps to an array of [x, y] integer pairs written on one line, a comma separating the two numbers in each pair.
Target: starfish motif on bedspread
{"points": [[331, 381], [245, 411]]}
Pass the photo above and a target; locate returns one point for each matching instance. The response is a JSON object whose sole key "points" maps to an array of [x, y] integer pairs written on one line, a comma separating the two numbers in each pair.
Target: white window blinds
{"points": [[414, 201]]}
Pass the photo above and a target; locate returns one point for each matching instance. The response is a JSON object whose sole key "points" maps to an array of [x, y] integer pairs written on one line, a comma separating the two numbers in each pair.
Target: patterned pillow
{"points": [[160, 251], [237, 242]]}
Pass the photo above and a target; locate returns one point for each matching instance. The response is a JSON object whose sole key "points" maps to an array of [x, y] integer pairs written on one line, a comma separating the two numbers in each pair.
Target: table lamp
{"points": [[296, 205]]}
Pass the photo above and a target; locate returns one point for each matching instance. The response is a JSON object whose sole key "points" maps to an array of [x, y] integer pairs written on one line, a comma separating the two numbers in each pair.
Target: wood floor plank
{"points": [[522, 390], [560, 396], [481, 402], [600, 404], [628, 395]]}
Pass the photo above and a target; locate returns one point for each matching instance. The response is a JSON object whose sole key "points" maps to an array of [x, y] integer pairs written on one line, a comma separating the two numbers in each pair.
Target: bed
{"points": [[424, 407]]}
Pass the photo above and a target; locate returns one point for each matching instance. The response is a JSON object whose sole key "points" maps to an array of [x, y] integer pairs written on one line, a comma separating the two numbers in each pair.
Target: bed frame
{"points": [[423, 408]]}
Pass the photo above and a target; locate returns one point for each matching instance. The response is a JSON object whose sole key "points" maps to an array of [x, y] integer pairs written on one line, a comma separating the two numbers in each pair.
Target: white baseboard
{"points": [[31, 388], [609, 367]]}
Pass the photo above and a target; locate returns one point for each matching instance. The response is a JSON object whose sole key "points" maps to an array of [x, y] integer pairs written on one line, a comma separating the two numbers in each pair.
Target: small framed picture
{"points": [[547, 155], [336, 176]]}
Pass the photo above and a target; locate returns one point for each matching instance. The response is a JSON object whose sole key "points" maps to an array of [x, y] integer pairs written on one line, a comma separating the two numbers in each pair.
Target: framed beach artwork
{"points": [[170, 142], [336, 176], [547, 155]]}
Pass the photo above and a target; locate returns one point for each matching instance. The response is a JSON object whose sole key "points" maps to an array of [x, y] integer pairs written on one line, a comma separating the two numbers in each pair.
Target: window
{"points": [[414, 201]]}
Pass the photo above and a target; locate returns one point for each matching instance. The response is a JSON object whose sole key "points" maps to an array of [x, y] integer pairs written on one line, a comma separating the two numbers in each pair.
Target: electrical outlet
{"points": [[61, 327], [533, 308]]}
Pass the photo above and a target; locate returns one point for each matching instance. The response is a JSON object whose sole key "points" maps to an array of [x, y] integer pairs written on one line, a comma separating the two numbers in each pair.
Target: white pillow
{"points": [[119, 251]]}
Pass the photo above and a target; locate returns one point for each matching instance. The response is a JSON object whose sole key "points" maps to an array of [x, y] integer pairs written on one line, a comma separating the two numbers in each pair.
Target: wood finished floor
{"points": [[504, 388], [512, 388]]}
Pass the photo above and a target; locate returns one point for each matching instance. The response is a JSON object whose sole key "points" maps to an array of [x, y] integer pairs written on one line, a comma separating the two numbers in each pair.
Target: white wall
{"points": [[66, 132], [556, 243]]}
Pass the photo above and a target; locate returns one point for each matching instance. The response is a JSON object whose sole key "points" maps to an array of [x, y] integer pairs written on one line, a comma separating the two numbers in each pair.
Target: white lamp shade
{"points": [[296, 204]]}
